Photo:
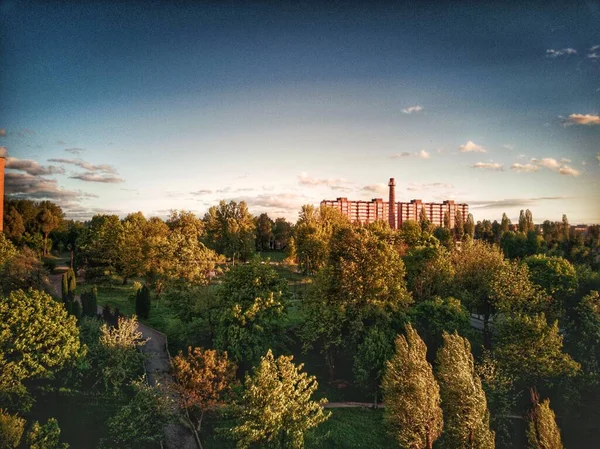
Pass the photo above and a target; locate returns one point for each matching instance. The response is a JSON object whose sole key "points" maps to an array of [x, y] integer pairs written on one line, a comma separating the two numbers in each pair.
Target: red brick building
{"points": [[369, 211]]}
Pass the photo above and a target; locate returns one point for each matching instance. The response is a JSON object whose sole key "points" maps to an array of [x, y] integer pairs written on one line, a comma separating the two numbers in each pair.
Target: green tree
{"points": [[361, 286], [459, 226], [23, 271], [429, 272], [583, 335], [99, 245], [277, 408], [469, 227], [542, 430], [467, 418], [140, 422], [11, 430], [282, 232], [511, 290], [505, 224], [264, 232], [117, 356], [252, 297], [130, 259], [530, 350], [89, 300], [142, 302], [424, 220], [65, 287], [49, 218], [369, 360], [14, 227], [434, 317], [447, 220], [412, 395], [230, 230], [46, 436], [7, 250], [475, 267], [56, 342]]}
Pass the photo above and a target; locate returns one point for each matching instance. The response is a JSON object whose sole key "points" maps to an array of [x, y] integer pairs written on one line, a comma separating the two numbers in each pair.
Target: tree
{"points": [[117, 355], [530, 350], [230, 230], [282, 232], [131, 246], [142, 302], [202, 379], [14, 227], [11, 430], [49, 218], [7, 250], [252, 297], [467, 418], [140, 422], [583, 334], [459, 229], [264, 232], [23, 271], [434, 317], [475, 267], [99, 245], [412, 395], [277, 408], [566, 229], [542, 430], [522, 222], [511, 290], [469, 227], [46, 436], [447, 221], [505, 224], [429, 272], [56, 342], [361, 286], [424, 220], [370, 358], [89, 301]]}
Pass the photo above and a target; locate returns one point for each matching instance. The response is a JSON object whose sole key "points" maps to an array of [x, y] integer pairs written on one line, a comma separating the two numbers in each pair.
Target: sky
{"points": [[115, 107]]}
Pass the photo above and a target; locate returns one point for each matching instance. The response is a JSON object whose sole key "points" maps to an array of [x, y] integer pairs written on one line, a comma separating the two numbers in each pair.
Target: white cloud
{"points": [[508, 147], [375, 188], [547, 162], [201, 192], [564, 160], [306, 180], [568, 171], [583, 119], [472, 147], [103, 168], [423, 154], [434, 185], [488, 166], [412, 109], [551, 53], [524, 168], [400, 155], [94, 177]]}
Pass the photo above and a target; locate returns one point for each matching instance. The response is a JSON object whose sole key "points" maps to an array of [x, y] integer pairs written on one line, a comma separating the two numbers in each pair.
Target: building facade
{"points": [[396, 213]]}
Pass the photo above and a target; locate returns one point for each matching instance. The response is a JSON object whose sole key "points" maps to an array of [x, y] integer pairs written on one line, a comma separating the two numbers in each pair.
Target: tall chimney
{"points": [[2, 162], [392, 203]]}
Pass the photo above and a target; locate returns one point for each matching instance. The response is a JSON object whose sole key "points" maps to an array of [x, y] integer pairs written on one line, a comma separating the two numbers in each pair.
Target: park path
{"points": [[157, 366]]}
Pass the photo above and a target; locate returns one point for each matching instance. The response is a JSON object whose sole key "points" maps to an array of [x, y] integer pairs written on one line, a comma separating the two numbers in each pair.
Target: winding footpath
{"points": [[157, 366]]}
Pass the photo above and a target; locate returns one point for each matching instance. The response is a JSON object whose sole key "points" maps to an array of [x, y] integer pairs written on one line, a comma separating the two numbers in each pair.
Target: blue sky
{"points": [[118, 107]]}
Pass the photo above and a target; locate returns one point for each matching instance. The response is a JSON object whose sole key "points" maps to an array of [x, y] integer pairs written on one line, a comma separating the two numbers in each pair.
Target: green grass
{"points": [[275, 256], [350, 428]]}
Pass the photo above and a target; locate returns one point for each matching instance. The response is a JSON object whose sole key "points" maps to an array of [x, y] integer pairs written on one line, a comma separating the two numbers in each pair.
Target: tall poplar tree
{"points": [[412, 395], [467, 418], [542, 430]]}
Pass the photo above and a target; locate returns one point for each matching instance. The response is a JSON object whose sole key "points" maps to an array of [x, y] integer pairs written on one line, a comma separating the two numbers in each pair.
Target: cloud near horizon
{"points": [[471, 147], [101, 168], [551, 53], [310, 181], [25, 185], [488, 166], [582, 119], [95, 177], [412, 109], [512, 202], [555, 166]]}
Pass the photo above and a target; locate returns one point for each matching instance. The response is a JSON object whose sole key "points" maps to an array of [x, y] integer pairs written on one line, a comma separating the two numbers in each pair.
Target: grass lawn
{"points": [[348, 428]]}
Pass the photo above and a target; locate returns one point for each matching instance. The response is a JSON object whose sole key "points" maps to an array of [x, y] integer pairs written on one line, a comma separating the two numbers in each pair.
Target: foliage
{"points": [[277, 408], [117, 356], [584, 333], [411, 394], [139, 423], [89, 301], [429, 272], [434, 317], [202, 379], [530, 350], [542, 430], [36, 337], [511, 290], [11, 430], [7, 250], [282, 232], [464, 403], [142, 302], [230, 230], [369, 360], [99, 245], [46, 436], [264, 232], [130, 257], [253, 300], [23, 271], [362, 285]]}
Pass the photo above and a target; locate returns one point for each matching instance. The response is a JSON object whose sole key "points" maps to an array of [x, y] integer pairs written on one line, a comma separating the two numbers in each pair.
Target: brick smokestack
{"points": [[392, 203], [2, 162]]}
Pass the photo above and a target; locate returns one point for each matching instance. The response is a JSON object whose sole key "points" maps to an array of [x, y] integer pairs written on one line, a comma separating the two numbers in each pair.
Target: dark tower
{"points": [[392, 203]]}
